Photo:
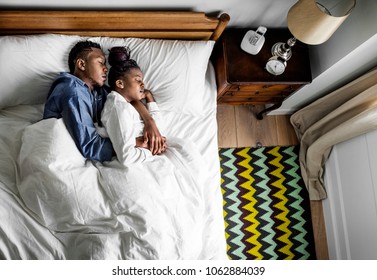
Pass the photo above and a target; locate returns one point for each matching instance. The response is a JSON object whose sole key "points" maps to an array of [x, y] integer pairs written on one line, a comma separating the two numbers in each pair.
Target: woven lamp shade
{"points": [[314, 21]]}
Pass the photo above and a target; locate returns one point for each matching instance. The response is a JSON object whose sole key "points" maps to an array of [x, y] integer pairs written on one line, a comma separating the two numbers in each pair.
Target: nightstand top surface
{"points": [[242, 67]]}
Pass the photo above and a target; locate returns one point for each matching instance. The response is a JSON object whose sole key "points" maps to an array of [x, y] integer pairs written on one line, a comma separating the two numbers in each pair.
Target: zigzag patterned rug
{"points": [[266, 204]]}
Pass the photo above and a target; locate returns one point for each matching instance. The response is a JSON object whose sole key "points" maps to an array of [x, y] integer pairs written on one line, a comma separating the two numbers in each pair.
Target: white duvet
{"points": [[64, 207], [158, 205]]}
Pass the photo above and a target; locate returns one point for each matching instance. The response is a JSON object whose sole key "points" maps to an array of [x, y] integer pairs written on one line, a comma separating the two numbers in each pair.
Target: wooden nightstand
{"points": [[242, 78]]}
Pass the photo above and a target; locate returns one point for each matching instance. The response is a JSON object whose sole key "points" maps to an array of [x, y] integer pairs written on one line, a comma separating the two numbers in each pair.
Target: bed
{"points": [[54, 204]]}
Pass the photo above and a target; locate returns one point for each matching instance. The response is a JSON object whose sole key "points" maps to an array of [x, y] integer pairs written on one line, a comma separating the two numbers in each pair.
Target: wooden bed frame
{"points": [[148, 24]]}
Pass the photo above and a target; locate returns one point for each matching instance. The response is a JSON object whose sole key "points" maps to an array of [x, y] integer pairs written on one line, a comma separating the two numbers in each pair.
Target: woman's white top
{"points": [[123, 124]]}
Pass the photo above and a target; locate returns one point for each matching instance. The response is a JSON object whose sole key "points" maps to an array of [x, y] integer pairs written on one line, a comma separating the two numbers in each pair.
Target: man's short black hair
{"points": [[80, 50]]}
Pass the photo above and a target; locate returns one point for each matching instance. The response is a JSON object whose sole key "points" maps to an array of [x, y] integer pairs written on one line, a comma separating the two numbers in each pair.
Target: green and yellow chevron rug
{"points": [[266, 204]]}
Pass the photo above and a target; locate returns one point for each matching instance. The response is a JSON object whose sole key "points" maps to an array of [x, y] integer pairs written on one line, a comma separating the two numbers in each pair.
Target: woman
{"points": [[121, 120], [167, 188]]}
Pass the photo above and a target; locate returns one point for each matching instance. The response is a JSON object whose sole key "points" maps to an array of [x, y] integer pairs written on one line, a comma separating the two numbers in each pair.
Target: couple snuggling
{"points": [[108, 171], [103, 124]]}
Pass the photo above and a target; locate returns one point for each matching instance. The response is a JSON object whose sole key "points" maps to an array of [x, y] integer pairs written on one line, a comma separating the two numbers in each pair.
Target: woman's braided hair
{"points": [[121, 63]]}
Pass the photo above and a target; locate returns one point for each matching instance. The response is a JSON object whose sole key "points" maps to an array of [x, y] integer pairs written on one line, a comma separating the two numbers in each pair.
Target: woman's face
{"points": [[131, 85]]}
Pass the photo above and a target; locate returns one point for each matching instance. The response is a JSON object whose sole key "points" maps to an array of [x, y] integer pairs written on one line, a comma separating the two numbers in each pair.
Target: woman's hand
{"points": [[148, 96], [140, 143]]}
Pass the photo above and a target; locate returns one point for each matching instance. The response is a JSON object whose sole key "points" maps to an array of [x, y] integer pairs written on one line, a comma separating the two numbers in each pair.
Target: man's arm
{"points": [[151, 133], [79, 122]]}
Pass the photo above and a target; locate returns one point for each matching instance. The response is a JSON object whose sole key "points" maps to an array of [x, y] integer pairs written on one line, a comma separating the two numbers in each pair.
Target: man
{"points": [[78, 97]]}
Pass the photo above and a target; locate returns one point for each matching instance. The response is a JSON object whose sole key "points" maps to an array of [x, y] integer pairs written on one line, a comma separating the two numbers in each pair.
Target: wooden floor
{"points": [[238, 127]]}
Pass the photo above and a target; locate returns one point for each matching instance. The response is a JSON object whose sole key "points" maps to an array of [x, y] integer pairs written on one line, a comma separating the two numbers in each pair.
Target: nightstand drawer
{"points": [[265, 87], [236, 99], [276, 93]]}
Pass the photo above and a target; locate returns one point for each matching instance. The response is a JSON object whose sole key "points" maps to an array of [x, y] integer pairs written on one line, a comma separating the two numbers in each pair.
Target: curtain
{"points": [[345, 113]]}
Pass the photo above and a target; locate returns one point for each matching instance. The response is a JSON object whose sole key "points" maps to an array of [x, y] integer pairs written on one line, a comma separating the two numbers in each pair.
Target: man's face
{"points": [[95, 68]]}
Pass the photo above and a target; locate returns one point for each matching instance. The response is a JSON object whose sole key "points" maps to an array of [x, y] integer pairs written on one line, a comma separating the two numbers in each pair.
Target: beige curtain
{"points": [[345, 113]]}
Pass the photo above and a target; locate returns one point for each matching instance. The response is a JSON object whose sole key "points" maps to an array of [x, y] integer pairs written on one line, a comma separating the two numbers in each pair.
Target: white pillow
{"points": [[29, 65], [174, 70]]}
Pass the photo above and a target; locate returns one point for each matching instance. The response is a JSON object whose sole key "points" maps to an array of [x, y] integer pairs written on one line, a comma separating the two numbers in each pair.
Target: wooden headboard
{"points": [[148, 24]]}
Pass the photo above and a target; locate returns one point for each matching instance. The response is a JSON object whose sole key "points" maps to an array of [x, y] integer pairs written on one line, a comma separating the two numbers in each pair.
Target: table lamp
{"points": [[311, 22]]}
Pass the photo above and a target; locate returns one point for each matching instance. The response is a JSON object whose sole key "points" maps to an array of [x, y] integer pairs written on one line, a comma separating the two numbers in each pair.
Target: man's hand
{"points": [[140, 143], [152, 136]]}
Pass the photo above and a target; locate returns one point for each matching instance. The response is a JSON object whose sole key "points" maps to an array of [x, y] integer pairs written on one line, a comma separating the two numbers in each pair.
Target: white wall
{"points": [[242, 13]]}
